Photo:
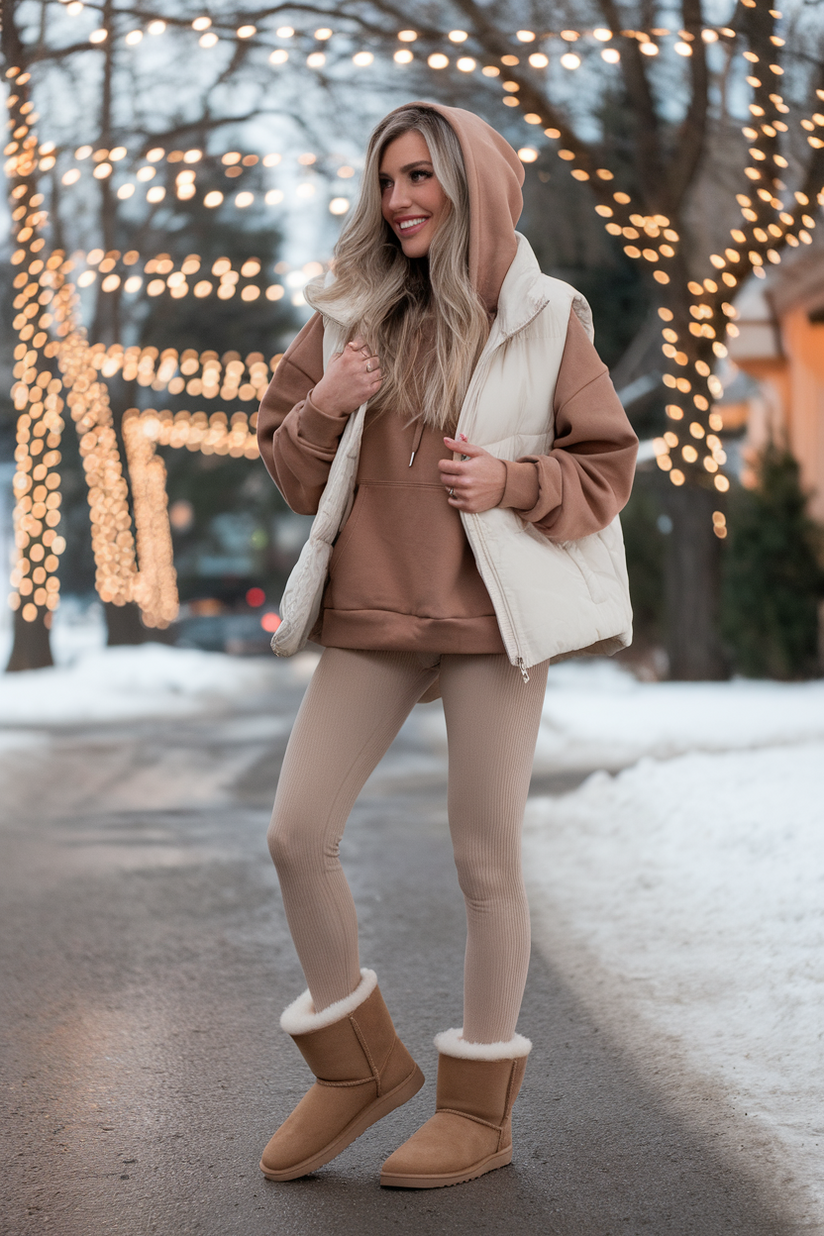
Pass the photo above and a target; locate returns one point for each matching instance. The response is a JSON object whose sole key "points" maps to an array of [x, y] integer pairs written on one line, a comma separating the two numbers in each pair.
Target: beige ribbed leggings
{"points": [[354, 706]]}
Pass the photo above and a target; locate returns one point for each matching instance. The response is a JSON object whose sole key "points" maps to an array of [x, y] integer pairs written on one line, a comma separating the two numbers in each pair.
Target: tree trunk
{"points": [[124, 626], [692, 587], [31, 648]]}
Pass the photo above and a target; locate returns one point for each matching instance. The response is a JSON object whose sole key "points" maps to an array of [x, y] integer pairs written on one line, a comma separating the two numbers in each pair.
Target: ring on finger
{"points": [[369, 366], [451, 493]]}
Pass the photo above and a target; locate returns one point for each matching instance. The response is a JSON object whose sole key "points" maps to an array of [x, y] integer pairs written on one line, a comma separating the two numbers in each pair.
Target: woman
{"points": [[446, 416]]}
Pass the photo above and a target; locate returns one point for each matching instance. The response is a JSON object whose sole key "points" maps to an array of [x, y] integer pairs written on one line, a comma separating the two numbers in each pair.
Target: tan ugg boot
{"points": [[363, 1072], [471, 1131]]}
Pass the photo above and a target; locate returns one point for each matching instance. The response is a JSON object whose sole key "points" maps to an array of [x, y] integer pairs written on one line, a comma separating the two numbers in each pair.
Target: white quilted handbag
{"points": [[301, 601]]}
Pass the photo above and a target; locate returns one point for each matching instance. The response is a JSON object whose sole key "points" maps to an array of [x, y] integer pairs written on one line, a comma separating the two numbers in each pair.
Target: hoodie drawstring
{"points": [[417, 441]]}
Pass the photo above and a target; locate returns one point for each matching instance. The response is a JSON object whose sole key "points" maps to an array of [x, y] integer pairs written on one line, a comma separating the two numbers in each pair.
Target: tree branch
{"points": [[649, 157], [691, 136]]}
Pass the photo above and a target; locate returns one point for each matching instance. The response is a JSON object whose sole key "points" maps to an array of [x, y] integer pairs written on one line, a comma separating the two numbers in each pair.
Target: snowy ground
{"points": [[598, 716], [90, 682], [149, 680], [684, 896], [680, 888]]}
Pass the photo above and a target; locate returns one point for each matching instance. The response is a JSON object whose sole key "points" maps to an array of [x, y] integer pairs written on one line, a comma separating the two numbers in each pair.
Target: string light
{"points": [[155, 587], [88, 401], [756, 241], [233, 162], [201, 375], [36, 391], [649, 43], [175, 282]]}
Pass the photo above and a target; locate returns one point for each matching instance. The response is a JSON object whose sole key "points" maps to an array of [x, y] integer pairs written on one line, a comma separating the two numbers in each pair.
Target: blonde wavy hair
{"points": [[393, 301]]}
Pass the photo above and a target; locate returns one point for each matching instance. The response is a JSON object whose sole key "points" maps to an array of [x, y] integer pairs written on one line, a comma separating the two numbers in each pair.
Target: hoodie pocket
{"points": [[403, 550], [347, 532]]}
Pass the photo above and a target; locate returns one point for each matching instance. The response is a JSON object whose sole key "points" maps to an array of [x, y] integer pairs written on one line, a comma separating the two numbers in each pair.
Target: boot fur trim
{"points": [[300, 1017], [452, 1043]]}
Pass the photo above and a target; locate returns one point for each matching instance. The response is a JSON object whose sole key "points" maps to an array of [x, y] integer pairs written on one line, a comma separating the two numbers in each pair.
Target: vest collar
{"points": [[523, 294]]}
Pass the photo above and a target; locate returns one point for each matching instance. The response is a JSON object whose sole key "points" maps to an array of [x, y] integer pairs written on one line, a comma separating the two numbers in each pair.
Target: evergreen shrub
{"points": [[773, 580]]}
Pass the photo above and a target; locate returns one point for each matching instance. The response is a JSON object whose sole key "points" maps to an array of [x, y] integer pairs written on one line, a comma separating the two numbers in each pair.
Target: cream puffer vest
{"points": [[552, 599]]}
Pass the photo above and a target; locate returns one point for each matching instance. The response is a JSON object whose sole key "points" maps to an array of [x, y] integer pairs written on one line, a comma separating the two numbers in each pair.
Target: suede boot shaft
{"points": [[480, 1089]]}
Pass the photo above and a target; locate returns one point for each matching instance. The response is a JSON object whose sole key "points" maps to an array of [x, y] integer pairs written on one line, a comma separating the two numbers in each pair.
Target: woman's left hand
{"points": [[473, 484]]}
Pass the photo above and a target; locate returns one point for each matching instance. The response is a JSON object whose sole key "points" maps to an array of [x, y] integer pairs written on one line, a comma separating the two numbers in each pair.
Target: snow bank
{"points": [[693, 891], [146, 680], [20, 740], [596, 715]]}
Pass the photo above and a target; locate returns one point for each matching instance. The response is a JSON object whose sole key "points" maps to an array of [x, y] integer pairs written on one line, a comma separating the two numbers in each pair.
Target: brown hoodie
{"points": [[402, 575]]}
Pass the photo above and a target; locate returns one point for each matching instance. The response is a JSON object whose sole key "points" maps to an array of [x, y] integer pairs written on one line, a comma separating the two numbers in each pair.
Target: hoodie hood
{"points": [[494, 175]]}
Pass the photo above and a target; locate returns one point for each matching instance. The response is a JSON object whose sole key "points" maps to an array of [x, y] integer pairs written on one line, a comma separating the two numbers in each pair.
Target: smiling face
{"points": [[412, 200]]}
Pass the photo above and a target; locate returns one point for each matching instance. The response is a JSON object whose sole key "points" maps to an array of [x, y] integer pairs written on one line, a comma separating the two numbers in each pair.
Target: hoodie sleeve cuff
{"points": [[522, 487], [320, 428]]}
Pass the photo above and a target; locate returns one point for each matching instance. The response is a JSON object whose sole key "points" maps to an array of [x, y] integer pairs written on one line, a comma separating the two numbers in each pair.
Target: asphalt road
{"points": [[145, 962]]}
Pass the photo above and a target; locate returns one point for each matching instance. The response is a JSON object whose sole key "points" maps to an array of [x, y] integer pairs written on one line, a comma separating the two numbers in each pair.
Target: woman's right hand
{"points": [[352, 376]]}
